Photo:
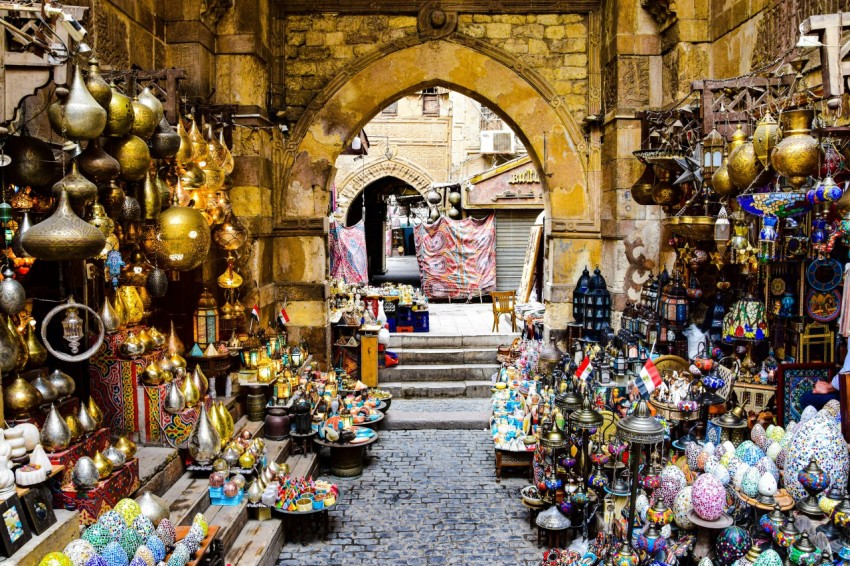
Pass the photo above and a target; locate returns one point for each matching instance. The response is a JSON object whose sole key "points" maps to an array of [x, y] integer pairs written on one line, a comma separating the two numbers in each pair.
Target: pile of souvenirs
{"points": [[134, 532], [305, 494], [515, 401], [650, 490], [355, 304]]}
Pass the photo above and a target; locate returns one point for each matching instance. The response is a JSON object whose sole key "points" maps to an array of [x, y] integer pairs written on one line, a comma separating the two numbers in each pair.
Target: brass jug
{"points": [[79, 116]]}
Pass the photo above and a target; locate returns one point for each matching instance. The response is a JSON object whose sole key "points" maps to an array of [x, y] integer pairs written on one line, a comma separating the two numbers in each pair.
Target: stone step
{"points": [[444, 420], [414, 389], [437, 372], [159, 468], [258, 544], [429, 340], [420, 356], [54, 539]]}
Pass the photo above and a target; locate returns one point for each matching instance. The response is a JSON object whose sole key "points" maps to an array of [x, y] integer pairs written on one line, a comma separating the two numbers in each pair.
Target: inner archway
{"points": [[571, 174]]}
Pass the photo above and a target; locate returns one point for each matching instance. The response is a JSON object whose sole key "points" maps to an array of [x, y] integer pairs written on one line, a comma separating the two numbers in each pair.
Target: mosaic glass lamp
{"points": [[746, 321], [206, 320]]}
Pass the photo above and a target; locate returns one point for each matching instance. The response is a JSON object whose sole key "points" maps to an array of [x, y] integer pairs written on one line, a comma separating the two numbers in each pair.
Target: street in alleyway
{"points": [[425, 497]]}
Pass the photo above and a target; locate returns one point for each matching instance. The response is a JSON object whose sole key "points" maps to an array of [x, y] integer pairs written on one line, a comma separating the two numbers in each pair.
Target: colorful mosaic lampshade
{"points": [[206, 320], [745, 321]]}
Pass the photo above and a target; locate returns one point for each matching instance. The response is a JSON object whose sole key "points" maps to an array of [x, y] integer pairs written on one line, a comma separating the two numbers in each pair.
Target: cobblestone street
{"points": [[425, 497]]}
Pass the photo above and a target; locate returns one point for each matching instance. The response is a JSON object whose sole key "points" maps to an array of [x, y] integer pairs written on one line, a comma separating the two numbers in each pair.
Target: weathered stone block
{"points": [[498, 31], [516, 46], [548, 19], [474, 30], [314, 38], [554, 32], [401, 22], [537, 47], [482, 18], [334, 38]]}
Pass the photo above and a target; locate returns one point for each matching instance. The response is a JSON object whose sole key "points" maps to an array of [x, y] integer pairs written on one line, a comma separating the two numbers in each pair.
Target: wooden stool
{"points": [[552, 539], [510, 459]]}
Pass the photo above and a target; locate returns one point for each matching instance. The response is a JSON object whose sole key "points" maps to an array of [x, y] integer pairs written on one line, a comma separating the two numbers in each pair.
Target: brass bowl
{"points": [[699, 228]]}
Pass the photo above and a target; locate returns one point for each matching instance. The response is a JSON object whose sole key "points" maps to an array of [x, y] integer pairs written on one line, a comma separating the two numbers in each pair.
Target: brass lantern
{"points": [[712, 153], [722, 230], [206, 320]]}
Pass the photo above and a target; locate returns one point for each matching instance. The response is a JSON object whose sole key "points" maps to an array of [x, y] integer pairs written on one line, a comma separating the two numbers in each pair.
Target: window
{"points": [[430, 102], [391, 110]]}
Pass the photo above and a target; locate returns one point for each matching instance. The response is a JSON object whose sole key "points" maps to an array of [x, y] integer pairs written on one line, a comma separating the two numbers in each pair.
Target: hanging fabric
{"points": [[348, 253], [457, 258]]}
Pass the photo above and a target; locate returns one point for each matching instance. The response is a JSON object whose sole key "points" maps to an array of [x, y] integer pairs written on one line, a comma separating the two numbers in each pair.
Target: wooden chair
{"points": [[504, 303]]}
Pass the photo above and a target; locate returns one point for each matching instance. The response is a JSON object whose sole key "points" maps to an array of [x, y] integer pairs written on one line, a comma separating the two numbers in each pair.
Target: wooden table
{"points": [[302, 441], [513, 459], [346, 458], [302, 522]]}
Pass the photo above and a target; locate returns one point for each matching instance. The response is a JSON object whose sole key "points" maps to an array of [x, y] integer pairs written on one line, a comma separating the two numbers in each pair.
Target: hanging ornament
{"points": [[157, 283], [767, 239], [693, 291], [185, 152], [81, 191], [13, 297], [230, 279], [113, 266], [200, 149], [165, 142], [63, 236], [231, 234], [227, 162], [77, 116]]}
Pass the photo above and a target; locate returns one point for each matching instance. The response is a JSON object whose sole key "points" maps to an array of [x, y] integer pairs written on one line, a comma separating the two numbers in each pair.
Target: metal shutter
{"points": [[512, 229]]}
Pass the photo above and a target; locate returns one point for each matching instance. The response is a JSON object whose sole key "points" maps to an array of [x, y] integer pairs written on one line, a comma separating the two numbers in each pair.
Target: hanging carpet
{"points": [[348, 252], [457, 258]]}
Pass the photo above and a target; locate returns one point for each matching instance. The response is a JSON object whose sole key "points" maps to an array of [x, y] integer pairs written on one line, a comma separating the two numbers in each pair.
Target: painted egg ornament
{"points": [[733, 464], [750, 482], [832, 408], [641, 505], [201, 521], [776, 434], [767, 485], [181, 552], [667, 531], [156, 547], [98, 536], [768, 558], [55, 559], [773, 451], [115, 555], [749, 452], [672, 481], [727, 458], [166, 533], [128, 509], [702, 459], [692, 452], [768, 466], [722, 474], [114, 523], [732, 544], [708, 497], [130, 541], [740, 473], [710, 448], [706, 561], [759, 436], [681, 507], [146, 555], [97, 560], [781, 458], [194, 538], [820, 440], [143, 526], [808, 414], [79, 551]]}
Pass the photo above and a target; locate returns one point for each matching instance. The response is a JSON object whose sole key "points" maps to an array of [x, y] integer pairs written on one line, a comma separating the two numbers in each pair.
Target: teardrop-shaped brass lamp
{"points": [[79, 116], [63, 236]]}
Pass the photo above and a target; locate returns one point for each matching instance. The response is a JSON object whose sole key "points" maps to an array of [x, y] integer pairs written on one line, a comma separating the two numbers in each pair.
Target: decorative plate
{"points": [[671, 364], [823, 307], [777, 286], [824, 274]]}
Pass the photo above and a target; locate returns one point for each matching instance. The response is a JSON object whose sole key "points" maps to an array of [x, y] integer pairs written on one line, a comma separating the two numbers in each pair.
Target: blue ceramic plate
{"points": [[783, 205]]}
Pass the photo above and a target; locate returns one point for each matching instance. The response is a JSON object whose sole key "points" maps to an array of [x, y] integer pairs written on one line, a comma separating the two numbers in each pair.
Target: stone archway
{"points": [[569, 164], [399, 168]]}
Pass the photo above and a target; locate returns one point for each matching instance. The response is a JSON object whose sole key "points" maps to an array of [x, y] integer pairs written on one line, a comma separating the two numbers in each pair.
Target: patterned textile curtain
{"points": [[457, 258], [348, 253]]}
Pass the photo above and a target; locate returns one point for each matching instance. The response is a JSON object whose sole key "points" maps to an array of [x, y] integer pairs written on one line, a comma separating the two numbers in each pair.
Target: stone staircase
{"points": [[442, 365], [442, 381]]}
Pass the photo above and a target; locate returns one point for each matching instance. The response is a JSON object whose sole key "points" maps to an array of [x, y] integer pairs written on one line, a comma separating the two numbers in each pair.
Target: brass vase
{"points": [[81, 191], [23, 354], [8, 347], [173, 344], [134, 308], [798, 154], [20, 398], [79, 116], [48, 393], [37, 353], [64, 383], [151, 203], [148, 98], [63, 236], [144, 120], [765, 137], [111, 321], [190, 392], [200, 149], [74, 427], [96, 165], [132, 154], [103, 465], [97, 86], [174, 402], [95, 412], [55, 434], [184, 238], [127, 446], [201, 381], [119, 115], [86, 420], [185, 152], [204, 442], [744, 168], [13, 296]]}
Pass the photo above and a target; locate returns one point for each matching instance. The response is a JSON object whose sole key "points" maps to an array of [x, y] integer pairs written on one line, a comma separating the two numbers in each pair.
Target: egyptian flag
{"points": [[255, 312], [649, 379], [584, 369], [283, 317]]}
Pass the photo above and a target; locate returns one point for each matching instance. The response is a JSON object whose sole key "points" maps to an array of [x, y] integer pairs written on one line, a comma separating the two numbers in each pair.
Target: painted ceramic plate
{"points": [[777, 286], [824, 274], [823, 307]]}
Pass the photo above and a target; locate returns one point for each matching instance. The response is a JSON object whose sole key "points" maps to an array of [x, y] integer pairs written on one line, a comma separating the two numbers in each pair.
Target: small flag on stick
{"points": [[649, 378], [584, 369]]}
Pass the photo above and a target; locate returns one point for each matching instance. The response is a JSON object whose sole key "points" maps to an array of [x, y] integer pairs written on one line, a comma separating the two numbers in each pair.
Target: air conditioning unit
{"points": [[497, 141]]}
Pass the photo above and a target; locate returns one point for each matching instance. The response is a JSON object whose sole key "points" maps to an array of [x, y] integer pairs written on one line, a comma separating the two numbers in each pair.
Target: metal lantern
{"points": [[674, 302], [712, 152], [722, 230], [206, 320], [638, 429], [72, 328], [733, 426], [569, 400], [579, 292], [296, 357], [585, 419], [550, 356], [597, 304], [620, 365], [346, 418], [605, 371]]}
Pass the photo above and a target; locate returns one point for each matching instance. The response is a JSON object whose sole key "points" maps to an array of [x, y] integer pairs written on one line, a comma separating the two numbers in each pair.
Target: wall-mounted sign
{"points": [[515, 184]]}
